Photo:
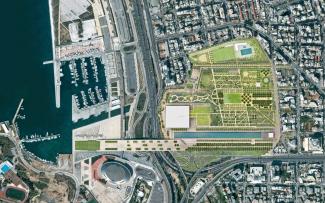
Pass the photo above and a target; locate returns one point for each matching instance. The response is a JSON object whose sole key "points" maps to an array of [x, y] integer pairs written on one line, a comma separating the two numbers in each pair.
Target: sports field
{"points": [[226, 53]]}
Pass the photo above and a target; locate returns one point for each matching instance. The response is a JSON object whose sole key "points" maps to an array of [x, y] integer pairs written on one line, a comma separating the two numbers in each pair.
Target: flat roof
{"points": [[177, 116]]}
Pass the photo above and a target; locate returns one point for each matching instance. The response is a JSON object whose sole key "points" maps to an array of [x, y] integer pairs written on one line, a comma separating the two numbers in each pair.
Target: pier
{"points": [[39, 138], [56, 68], [17, 111], [48, 62]]}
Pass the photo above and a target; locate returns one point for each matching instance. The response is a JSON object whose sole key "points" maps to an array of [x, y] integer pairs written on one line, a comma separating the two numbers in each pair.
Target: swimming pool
{"points": [[5, 168], [246, 51]]}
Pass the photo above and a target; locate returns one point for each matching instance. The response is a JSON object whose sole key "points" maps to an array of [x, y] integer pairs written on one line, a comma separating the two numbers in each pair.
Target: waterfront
{"points": [[26, 43], [25, 46]]}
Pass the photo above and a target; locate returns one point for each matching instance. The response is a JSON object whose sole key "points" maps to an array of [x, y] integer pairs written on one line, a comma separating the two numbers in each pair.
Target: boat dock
{"points": [[48, 62], [39, 138], [17, 111]]}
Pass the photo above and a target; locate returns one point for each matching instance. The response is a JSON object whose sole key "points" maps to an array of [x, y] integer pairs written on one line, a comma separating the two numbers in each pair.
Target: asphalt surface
{"points": [[120, 20], [130, 72], [106, 35], [149, 69]]}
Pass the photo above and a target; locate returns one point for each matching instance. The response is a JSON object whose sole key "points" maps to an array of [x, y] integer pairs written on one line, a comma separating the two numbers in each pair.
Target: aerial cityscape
{"points": [[163, 101]]}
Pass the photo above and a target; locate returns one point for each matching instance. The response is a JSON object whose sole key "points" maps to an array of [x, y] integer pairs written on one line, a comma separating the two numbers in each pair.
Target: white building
{"points": [[177, 117], [197, 186]]}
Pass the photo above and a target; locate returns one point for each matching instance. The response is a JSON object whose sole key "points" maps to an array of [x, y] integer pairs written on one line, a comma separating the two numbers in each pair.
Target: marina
{"points": [[31, 80], [39, 138], [87, 79]]}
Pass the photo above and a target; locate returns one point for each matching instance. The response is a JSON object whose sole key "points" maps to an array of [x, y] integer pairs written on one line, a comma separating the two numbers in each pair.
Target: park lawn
{"points": [[222, 54], [194, 160], [201, 109], [232, 98], [225, 53], [206, 79], [259, 53], [203, 120], [89, 145]]}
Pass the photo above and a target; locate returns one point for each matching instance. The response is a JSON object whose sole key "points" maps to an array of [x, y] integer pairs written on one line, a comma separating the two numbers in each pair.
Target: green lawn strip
{"points": [[198, 159], [260, 54], [89, 145], [201, 109], [220, 54], [206, 79], [232, 98], [203, 120]]}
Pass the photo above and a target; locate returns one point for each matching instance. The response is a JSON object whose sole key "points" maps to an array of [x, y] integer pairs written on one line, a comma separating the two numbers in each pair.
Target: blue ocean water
{"points": [[25, 43]]}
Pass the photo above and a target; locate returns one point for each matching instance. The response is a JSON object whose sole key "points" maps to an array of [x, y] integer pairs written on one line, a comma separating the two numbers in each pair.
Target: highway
{"points": [[175, 166], [165, 179], [148, 69], [154, 50]]}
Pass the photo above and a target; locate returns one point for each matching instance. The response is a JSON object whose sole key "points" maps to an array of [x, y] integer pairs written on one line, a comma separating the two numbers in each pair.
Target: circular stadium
{"points": [[116, 172]]}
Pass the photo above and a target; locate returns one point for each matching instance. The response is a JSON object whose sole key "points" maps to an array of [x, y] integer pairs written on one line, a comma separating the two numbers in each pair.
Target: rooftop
{"points": [[177, 116]]}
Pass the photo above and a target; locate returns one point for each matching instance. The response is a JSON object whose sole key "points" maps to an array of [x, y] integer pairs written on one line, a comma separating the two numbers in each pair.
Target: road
{"points": [[220, 168], [298, 70], [167, 191], [148, 69]]}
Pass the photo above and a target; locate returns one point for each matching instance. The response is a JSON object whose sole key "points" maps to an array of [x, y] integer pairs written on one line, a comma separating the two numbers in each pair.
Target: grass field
{"points": [[201, 109], [88, 145], [202, 114], [194, 160], [232, 98], [222, 54], [206, 79], [203, 120], [225, 53]]}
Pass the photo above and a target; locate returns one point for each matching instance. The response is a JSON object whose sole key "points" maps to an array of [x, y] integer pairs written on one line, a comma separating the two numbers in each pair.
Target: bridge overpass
{"points": [[177, 144]]}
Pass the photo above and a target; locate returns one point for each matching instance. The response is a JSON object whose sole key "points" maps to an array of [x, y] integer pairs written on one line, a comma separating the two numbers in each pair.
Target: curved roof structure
{"points": [[116, 171]]}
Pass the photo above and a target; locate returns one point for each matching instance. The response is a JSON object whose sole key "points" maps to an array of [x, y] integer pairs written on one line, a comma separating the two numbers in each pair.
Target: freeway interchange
{"points": [[220, 168], [152, 80]]}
